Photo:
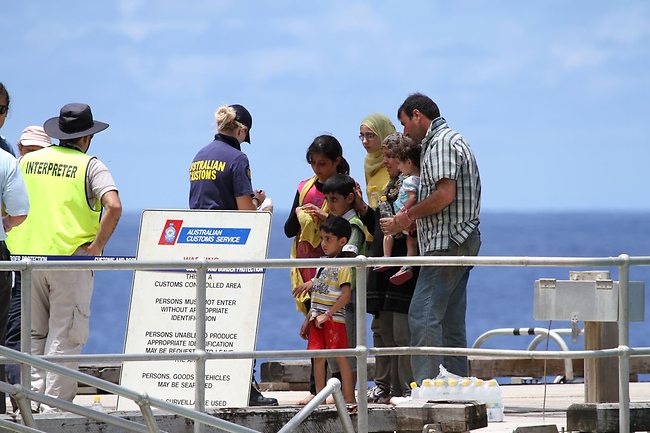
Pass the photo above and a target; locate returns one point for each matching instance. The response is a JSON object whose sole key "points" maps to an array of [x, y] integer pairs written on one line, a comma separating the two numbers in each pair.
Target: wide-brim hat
{"points": [[75, 120], [245, 118]]}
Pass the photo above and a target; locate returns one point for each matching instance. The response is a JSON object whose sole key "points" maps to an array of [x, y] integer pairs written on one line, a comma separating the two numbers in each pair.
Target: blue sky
{"points": [[553, 96]]}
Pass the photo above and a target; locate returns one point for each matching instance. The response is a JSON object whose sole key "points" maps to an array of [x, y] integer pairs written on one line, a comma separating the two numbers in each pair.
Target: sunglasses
{"points": [[4, 109]]}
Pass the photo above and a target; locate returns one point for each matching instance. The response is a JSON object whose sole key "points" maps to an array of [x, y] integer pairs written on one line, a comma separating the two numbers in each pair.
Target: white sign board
{"points": [[162, 315]]}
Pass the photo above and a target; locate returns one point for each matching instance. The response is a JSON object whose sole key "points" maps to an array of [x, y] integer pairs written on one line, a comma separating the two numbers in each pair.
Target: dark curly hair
{"points": [[409, 150]]}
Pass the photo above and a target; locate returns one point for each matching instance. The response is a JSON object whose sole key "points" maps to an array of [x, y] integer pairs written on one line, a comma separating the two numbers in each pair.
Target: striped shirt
{"points": [[446, 155], [327, 290]]}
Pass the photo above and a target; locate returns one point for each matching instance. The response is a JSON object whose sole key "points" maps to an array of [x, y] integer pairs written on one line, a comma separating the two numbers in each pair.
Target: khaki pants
{"points": [[60, 318], [392, 373]]}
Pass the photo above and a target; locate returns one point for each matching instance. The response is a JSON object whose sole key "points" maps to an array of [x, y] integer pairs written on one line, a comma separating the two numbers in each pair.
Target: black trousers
{"points": [[5, 299], [12, 339]]}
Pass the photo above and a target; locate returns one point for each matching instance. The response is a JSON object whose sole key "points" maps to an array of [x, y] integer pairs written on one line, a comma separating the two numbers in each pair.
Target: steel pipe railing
{"points": [[539, 332], [623, 352], [333, 387]]}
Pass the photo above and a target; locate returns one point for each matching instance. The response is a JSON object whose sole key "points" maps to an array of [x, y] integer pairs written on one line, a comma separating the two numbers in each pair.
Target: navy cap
{"points": [[245, 118]]}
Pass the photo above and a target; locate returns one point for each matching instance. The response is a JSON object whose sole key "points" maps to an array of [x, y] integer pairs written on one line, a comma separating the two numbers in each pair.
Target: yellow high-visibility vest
{"points": [[60, 218]]}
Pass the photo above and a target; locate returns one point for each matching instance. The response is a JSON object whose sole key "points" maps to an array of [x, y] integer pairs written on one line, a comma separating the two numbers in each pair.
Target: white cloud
{"points": [[356, 18], [578, 56], [282, 62], [627, 26], [128, 8], [188, 75], [602, 40]]}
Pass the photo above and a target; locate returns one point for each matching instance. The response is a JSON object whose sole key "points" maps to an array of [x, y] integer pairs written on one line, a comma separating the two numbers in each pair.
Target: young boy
{"points": [[339, 192], [324, 326]]}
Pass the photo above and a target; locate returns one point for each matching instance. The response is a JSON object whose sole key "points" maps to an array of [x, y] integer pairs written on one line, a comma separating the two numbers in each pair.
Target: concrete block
{"points": [[603, 417], [536, 429], [449, 417]]}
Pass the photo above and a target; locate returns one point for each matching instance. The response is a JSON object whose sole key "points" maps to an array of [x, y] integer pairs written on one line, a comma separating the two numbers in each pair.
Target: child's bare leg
{"points": [[319, 374], [411, 245], [347, 379], [388, 245]]}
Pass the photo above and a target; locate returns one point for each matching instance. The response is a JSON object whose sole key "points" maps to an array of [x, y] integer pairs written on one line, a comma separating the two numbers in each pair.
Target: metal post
{"points": [[332, 387], [362, 347], [623, 345], [149, 418], [199, 367], [26, 323]]}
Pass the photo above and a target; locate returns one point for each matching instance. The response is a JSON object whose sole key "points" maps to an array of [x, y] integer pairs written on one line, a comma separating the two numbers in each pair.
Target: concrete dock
{"points": [[525, 405]]}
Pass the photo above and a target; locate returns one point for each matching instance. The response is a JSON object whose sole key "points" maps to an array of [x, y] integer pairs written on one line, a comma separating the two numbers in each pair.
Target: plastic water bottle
{"points": [[494, 401], [427, 391], [373, 196], [466, 390], [385, 210], [415, 391], [479, 391], [440, 389], [453, 392], [97, 404]]}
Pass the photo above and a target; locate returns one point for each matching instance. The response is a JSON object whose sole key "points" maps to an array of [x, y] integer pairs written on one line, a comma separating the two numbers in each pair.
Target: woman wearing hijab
{"points": [[372, 132], [388, 302]]}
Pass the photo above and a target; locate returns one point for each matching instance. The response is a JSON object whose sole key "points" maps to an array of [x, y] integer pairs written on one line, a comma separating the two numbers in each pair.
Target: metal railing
{"points": [[361, 351], [540, 334]]}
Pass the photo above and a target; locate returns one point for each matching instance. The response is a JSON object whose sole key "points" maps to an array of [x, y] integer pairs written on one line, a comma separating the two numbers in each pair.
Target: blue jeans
{"points": [[437, 311]]}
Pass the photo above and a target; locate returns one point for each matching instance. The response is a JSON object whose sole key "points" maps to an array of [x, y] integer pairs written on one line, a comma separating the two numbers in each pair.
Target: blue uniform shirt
{"points": [[13, 193], [219, 174]]}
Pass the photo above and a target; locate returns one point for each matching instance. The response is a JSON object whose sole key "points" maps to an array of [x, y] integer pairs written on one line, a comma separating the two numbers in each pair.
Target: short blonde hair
{"points": [[225, 119]]}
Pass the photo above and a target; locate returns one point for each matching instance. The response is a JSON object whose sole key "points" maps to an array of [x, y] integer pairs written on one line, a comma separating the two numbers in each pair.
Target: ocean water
{"points": [[498, 297]]}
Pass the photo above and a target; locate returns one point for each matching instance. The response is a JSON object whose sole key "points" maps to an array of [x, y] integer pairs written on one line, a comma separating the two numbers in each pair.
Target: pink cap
{"points": [[34, 136]]}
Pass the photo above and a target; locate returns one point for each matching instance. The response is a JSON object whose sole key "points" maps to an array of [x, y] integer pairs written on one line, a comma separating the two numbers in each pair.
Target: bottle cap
{"points": [[465, 382], [96, 398], [426, 382], [383, 198], [453, 382], [413, 385], [439, 382]]}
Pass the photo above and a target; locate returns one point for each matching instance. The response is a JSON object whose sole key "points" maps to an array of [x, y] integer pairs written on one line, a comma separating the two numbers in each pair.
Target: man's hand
{"points": [[388, 226], [93, 249], [112, 212], [392, 226], [10, 221]]}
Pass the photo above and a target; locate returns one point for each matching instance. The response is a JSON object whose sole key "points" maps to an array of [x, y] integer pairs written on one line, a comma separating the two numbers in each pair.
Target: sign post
{"points": [[162, 314]]}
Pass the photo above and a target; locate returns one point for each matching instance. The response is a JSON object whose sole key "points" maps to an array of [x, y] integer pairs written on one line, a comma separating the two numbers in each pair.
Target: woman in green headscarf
{"points": [[374, 128]]}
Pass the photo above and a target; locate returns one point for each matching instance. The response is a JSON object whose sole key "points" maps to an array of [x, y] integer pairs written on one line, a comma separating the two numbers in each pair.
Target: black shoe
{"points": [[378, 395], [257, 399]]}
